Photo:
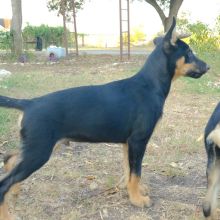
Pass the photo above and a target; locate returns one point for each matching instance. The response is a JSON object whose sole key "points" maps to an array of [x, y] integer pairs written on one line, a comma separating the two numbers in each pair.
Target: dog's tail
{"points": [[8, 102]]}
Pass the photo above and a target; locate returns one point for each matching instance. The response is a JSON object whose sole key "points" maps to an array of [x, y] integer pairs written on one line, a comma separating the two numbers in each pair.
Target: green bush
{"points": [[137, 35], [218, 24], [49, 35], [202, 39], [5, 40]]}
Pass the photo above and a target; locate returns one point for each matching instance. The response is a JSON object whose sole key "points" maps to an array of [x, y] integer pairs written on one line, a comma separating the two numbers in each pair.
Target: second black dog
{"points": [[212, 144]]}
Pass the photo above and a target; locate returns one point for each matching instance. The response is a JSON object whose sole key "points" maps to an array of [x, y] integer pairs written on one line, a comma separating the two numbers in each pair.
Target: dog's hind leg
{"points": [[213, 177], [214, 136], [136, 150], [10, 162], [35, 154], [4, 212]]}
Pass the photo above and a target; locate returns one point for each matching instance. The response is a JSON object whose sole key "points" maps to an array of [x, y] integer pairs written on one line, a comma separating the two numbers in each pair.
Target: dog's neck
{"points": [[155, 71]]}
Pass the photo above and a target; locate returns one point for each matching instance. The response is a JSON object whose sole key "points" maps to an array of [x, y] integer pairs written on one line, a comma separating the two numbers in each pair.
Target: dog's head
{"points": [[181, 59]]}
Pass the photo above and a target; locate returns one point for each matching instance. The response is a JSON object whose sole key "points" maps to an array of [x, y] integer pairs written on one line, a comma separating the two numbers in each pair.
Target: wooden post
{"points": [[124, 8], [128, 14]]}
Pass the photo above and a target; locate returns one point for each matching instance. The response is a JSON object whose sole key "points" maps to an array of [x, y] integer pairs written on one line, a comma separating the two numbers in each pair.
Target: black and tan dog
{"points": [[124, 111], [212, 144]]}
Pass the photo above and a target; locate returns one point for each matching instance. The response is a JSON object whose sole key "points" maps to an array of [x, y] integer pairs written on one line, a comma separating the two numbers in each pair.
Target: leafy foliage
{"points": [[203, 38], [5, 40], [137, 35], [50, 35], [64, 6], [164, 4], [218, 24]]}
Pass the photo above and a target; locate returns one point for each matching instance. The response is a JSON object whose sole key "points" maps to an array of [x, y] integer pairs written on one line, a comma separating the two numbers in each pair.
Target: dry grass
{"points": [[78, 182]]}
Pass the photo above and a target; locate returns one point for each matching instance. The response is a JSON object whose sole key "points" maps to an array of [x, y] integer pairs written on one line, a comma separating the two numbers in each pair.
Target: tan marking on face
{"points": [[215, 135], [182, 68], [134, 192]]}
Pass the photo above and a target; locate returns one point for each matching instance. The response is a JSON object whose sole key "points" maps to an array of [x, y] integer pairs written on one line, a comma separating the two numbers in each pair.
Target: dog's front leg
{"points": [[213, 177], [136, 151], [125, 178]]}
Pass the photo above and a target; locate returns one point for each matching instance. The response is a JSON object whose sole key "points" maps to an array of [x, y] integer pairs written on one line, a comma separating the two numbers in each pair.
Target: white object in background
{"points": [[56, 52], [4, 73]]}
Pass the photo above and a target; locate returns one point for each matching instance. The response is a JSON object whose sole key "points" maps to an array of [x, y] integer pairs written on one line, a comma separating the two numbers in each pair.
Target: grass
{"points": [[33, 80], [208, 84], [205, 85]]}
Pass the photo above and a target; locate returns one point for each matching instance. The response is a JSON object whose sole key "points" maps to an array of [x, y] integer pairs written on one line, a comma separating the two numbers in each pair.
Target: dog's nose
{"points": [[207, 67]]}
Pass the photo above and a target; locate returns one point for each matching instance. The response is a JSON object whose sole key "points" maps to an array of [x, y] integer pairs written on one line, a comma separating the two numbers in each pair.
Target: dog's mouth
{"points": [[195, 75], [198, 73]]}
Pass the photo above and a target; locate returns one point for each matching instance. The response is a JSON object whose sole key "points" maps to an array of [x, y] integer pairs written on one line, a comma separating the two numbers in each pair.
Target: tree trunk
{"points": [[75, 29], [17, 43], [65, 33], [173, 11]]}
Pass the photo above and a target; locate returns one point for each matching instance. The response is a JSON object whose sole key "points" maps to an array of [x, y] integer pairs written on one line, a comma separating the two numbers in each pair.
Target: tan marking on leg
{"points": [[65, 141], [20, 117], [211, 198], [124, 180], [4, 212], [215, 135], [182, 68], [9, 164], [134, 192], [126, 165], [144, 190]]}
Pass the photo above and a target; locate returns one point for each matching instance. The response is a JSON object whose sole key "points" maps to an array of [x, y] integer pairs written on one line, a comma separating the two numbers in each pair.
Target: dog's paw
{"points": [[207, 209]]}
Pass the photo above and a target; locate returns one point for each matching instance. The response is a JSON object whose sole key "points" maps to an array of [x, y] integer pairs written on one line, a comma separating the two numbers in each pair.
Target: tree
{"points": [[161, 5], [68, 9], [16, 32], [61, 7]]}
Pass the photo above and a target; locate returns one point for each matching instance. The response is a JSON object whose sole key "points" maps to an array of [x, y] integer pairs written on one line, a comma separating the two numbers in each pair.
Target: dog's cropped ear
{"points": [[170, 38]]}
